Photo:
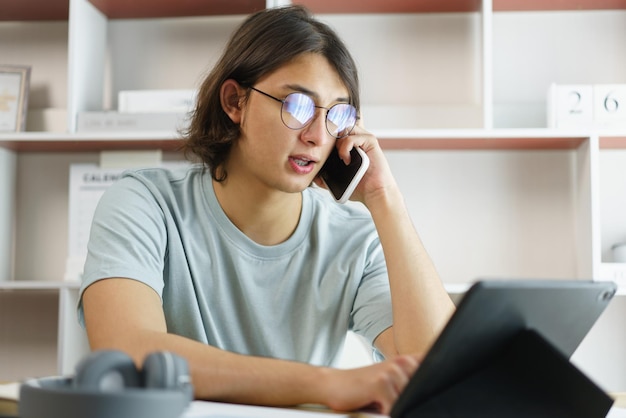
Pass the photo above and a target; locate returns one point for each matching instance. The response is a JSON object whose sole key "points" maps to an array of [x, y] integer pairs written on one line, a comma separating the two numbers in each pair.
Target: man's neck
{"points": [[267, 218]]}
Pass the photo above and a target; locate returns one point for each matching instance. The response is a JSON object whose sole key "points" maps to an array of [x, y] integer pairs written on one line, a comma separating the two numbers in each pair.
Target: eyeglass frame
{"points": [[327, 109]]}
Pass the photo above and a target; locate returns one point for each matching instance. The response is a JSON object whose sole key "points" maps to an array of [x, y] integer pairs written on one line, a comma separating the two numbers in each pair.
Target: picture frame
{"points": [[14, 89]]}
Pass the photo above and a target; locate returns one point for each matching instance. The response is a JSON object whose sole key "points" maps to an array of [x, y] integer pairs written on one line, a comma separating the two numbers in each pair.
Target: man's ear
{"points": [[231, 98]]}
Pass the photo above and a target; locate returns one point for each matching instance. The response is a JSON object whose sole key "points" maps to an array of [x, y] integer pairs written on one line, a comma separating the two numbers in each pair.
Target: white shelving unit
{"points": [[455, 91]]}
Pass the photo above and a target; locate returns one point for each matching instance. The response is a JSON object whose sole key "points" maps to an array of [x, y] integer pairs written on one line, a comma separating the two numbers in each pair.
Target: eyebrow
{"points": [[302, 89]]}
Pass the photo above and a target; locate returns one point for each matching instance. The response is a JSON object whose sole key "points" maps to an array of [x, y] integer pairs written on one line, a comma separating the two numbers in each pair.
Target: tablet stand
{"points": [[529, 378]]}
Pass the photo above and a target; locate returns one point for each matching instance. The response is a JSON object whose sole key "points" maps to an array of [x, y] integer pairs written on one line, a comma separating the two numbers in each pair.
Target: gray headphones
{"points": [[108, 385]]}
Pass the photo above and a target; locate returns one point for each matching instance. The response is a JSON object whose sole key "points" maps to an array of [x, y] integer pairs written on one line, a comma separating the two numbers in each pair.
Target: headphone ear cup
{"points": [[165, 370], [106, 370]]}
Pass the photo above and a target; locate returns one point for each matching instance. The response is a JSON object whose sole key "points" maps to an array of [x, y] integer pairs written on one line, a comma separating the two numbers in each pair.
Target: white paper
{"points": [[10, 391], [87, 184], [202, 409], [617, 413]]}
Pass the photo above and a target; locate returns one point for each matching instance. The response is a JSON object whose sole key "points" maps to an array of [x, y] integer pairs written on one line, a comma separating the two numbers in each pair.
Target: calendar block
{"points": [[609, 105], [586, 105], [570, 106]]}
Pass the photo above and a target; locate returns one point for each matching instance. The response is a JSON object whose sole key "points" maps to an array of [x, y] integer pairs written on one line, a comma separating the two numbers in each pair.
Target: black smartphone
{"points": [[342, 179]]}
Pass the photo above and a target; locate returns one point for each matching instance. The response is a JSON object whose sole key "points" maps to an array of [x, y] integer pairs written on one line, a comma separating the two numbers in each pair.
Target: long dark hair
{"points": [[265, 41]]}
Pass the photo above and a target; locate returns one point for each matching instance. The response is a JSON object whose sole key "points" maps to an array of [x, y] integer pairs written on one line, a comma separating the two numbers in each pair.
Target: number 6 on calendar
{"points": [[609, 105]]}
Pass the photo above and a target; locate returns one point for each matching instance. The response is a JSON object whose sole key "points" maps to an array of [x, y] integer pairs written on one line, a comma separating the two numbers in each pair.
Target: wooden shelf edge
{"points": [[557, 5], [503, 143], [613, 142], [123, 141], [120, 9], [431, 139], [483, 139], [390, 6], [92, 145], [33, 10], [27, 10], [123, 9]]}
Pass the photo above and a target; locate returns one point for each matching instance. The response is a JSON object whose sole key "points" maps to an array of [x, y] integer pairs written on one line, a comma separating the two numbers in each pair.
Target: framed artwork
{"points": [[14, 85]]}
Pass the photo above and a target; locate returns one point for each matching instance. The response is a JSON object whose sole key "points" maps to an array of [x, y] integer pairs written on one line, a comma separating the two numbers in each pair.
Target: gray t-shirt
{"points": [[295, 300]]}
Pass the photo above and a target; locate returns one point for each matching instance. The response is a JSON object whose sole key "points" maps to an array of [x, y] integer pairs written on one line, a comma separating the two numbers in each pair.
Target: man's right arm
{"points": [[127, 315]]}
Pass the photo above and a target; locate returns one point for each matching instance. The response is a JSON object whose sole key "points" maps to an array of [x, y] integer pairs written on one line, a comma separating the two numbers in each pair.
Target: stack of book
{"points": [[142, 110]]}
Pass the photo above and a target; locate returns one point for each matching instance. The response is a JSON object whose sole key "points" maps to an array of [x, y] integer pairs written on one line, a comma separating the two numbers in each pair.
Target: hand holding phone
{"points": [[342, 179]]}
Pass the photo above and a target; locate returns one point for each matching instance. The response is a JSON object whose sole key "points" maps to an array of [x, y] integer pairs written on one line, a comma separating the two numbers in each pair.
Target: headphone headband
{"points": [[60, 397]]}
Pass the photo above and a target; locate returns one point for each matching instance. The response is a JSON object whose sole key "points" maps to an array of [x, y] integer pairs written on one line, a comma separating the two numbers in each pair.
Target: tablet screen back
{"points": [[491, 313]]}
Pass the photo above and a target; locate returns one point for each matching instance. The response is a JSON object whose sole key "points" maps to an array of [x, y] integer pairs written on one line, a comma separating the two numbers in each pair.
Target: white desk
{"points": [[201, 409]]}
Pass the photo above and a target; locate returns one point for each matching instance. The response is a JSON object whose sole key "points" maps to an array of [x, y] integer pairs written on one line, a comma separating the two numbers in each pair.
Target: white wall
{"points": [[612, 200], [42, 45], [28, 331], [492, 214], [533, 49]]}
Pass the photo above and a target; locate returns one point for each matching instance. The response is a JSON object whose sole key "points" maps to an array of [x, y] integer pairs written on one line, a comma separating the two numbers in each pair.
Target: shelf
{"points": [[11, 10], [16, 10], [390, 6], [435, 139], [85, 142], [613, 142], [547, 5], [482, 139], [525, 139], [120, 9], [123, 9]]}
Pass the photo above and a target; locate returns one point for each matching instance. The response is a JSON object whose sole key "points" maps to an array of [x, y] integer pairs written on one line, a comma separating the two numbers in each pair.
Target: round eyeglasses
{"points": [[298, 110]]}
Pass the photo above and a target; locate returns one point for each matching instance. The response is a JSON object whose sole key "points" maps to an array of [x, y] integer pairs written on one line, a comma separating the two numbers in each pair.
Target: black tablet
{"points": [[490, 315]]}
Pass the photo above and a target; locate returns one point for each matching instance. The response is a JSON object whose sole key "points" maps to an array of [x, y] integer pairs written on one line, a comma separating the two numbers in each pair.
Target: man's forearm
{"points": [[219, 375]]}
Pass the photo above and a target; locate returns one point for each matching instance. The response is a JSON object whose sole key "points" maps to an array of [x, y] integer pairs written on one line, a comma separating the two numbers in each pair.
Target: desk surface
{"points": [[202, 409]]}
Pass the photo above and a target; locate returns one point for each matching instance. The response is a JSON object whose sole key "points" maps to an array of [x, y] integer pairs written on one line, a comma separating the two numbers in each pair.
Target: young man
{"points": [[242, 267]]}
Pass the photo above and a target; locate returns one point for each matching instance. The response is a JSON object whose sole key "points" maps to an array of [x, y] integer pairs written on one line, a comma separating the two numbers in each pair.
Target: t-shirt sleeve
{"points": [[371, 313], [127, 239]]}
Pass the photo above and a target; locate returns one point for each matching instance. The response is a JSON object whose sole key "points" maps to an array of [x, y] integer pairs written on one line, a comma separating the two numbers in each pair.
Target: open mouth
{"points": [[302, 162]]}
